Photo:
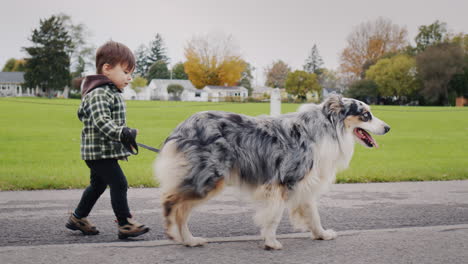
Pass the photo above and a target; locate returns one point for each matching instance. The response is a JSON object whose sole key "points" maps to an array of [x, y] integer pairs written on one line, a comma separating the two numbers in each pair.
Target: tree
{"points": [[368, 42], [141, 65], [276, 74], [157, 51], [213, 60], [461, 39], [158, 70], [314, 62], [138, 82], [176, 90], [178, 72], [395, 76], [48, 66], [14, 65], [246, 79], [430, 35], [459, 82], [300, 83], [9, 65], [437, 65], [82, 53], [329, 79], [364, 90]]}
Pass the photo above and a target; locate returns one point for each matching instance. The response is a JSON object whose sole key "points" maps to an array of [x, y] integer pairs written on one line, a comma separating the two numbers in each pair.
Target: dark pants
{"points": [[105, 172]]}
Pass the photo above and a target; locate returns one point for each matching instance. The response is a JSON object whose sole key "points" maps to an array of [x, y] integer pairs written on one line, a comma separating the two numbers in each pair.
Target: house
{"points": [[157, 90], [129, 93], [261, 92], [264, 92], [221, 93], [11, 84]]}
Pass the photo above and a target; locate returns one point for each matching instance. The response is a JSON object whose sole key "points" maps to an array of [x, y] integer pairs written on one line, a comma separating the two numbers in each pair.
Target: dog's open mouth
{"points": [[365, 138]]}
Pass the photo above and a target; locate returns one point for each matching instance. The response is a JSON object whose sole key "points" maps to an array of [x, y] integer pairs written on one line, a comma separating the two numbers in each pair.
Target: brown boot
{"points": [[81, 224], [132, 229]]}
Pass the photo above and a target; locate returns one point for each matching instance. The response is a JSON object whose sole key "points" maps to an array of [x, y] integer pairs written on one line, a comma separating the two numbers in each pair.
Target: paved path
{"points": [[424, 222]]}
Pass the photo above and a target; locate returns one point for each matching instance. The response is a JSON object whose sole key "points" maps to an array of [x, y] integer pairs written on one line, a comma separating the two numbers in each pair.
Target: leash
{"points": [[148, 147]]}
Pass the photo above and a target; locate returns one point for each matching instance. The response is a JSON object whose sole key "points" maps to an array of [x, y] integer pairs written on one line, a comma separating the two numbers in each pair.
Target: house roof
{"points": [[225, 88], [262, 89], [187, 84], [11, 77]]}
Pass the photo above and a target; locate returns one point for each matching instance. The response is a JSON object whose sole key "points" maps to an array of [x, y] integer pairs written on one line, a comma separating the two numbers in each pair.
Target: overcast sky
{"points": [[265, 30]]}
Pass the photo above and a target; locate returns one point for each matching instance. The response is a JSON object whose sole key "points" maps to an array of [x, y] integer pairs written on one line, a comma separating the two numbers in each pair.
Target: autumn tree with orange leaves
{"points": [[368, 42], [213, 60]]}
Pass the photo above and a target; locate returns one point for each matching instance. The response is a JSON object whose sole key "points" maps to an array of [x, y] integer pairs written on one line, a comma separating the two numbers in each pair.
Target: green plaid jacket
{"points": [[102, 112]]}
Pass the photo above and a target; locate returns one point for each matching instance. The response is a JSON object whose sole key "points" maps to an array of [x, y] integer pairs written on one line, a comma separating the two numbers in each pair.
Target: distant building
{"points": [[129, 93], [11, 84], [261, 92], [221, 93], [157, 90], [264, 92]]}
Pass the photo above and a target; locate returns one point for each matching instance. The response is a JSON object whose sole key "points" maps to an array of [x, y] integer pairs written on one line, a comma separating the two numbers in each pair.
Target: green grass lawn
{"points": [[40, 142]]}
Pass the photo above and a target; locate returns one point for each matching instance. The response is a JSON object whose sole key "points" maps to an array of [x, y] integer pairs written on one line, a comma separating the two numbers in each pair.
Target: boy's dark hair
{"points": [[114, 53]]}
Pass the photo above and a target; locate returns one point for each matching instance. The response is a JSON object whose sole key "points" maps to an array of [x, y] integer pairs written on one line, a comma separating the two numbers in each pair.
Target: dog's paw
{"points": [[272, 244], [195, 242], [326, 235], [173, 235]]}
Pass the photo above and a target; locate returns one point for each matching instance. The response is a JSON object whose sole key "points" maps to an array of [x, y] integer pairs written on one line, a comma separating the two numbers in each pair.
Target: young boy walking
{"points": [[105, 139]]}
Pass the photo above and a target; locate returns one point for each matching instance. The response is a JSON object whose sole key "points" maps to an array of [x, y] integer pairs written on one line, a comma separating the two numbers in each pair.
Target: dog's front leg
{"points": [[268, 218], [312, 220]]}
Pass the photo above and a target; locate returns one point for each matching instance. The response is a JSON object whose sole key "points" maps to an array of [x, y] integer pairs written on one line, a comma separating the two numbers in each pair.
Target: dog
{"points": [[283, 161]]}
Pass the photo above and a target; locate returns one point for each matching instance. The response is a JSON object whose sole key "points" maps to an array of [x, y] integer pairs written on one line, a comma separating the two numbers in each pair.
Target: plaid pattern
{"points": [[102, 112]]}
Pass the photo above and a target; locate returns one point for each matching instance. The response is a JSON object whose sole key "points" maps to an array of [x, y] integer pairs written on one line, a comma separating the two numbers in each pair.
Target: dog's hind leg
{"points": [[308, 214], [170, 204], [269, 217], [181, 214]]}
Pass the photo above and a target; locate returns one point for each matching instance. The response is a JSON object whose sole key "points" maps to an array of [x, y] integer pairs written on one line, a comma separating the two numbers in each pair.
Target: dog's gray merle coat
{"points": [[262, 149]]}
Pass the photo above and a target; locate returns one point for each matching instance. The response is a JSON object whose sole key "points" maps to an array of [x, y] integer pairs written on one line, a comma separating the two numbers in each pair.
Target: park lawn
{"points": [[40, 142]]}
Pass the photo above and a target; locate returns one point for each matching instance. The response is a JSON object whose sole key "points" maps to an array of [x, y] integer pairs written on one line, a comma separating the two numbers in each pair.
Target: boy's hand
{"points": [[128, 139]]}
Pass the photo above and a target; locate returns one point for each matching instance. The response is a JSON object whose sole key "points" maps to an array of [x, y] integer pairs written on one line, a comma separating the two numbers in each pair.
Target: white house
{"points": [[219, 93], [157, 90], [129, 93], [11, 84], [260, 92]]}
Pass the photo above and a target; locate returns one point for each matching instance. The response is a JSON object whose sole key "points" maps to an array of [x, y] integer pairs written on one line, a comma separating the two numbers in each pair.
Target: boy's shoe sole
{"points": [[125, 236], [71, 226]]}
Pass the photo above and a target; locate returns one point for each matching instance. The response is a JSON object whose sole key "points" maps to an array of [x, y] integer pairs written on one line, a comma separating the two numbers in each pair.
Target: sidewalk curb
{"points": [[220, 240]]}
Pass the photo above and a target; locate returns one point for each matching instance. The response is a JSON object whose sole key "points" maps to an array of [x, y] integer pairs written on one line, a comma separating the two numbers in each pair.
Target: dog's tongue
{"points": [[366, 137]]}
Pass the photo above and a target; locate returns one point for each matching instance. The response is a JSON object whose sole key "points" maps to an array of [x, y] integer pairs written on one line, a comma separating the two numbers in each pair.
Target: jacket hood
{"points": [[91, 82]]}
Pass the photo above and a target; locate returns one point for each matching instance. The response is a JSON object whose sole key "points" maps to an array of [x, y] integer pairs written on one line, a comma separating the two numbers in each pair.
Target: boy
{"points": [[104, 139]]}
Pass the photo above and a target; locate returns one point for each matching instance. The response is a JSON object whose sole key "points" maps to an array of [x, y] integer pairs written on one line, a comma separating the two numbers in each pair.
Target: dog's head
{"points": [[356, 118]]}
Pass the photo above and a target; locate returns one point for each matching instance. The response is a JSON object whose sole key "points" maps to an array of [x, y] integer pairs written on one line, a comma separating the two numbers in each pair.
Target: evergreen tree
{"points": [[246, 79], [156, 60], [48, 66], [141, 64], [158, 70], [178, 72], [314, 62], [157, 51]]}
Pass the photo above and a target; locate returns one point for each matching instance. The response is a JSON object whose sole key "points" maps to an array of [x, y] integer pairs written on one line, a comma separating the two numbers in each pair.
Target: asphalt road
{"points": [[392, 217]]}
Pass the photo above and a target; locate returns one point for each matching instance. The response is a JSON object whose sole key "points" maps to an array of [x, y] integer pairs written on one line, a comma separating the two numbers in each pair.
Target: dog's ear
{"points": [[333, 107]]}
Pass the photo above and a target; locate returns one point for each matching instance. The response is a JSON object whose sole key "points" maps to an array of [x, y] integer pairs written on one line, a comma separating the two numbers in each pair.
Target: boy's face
{"points": [[119, 74]]}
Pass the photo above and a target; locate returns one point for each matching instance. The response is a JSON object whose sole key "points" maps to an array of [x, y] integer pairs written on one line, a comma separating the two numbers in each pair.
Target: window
{"points": [[197, 94]]}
